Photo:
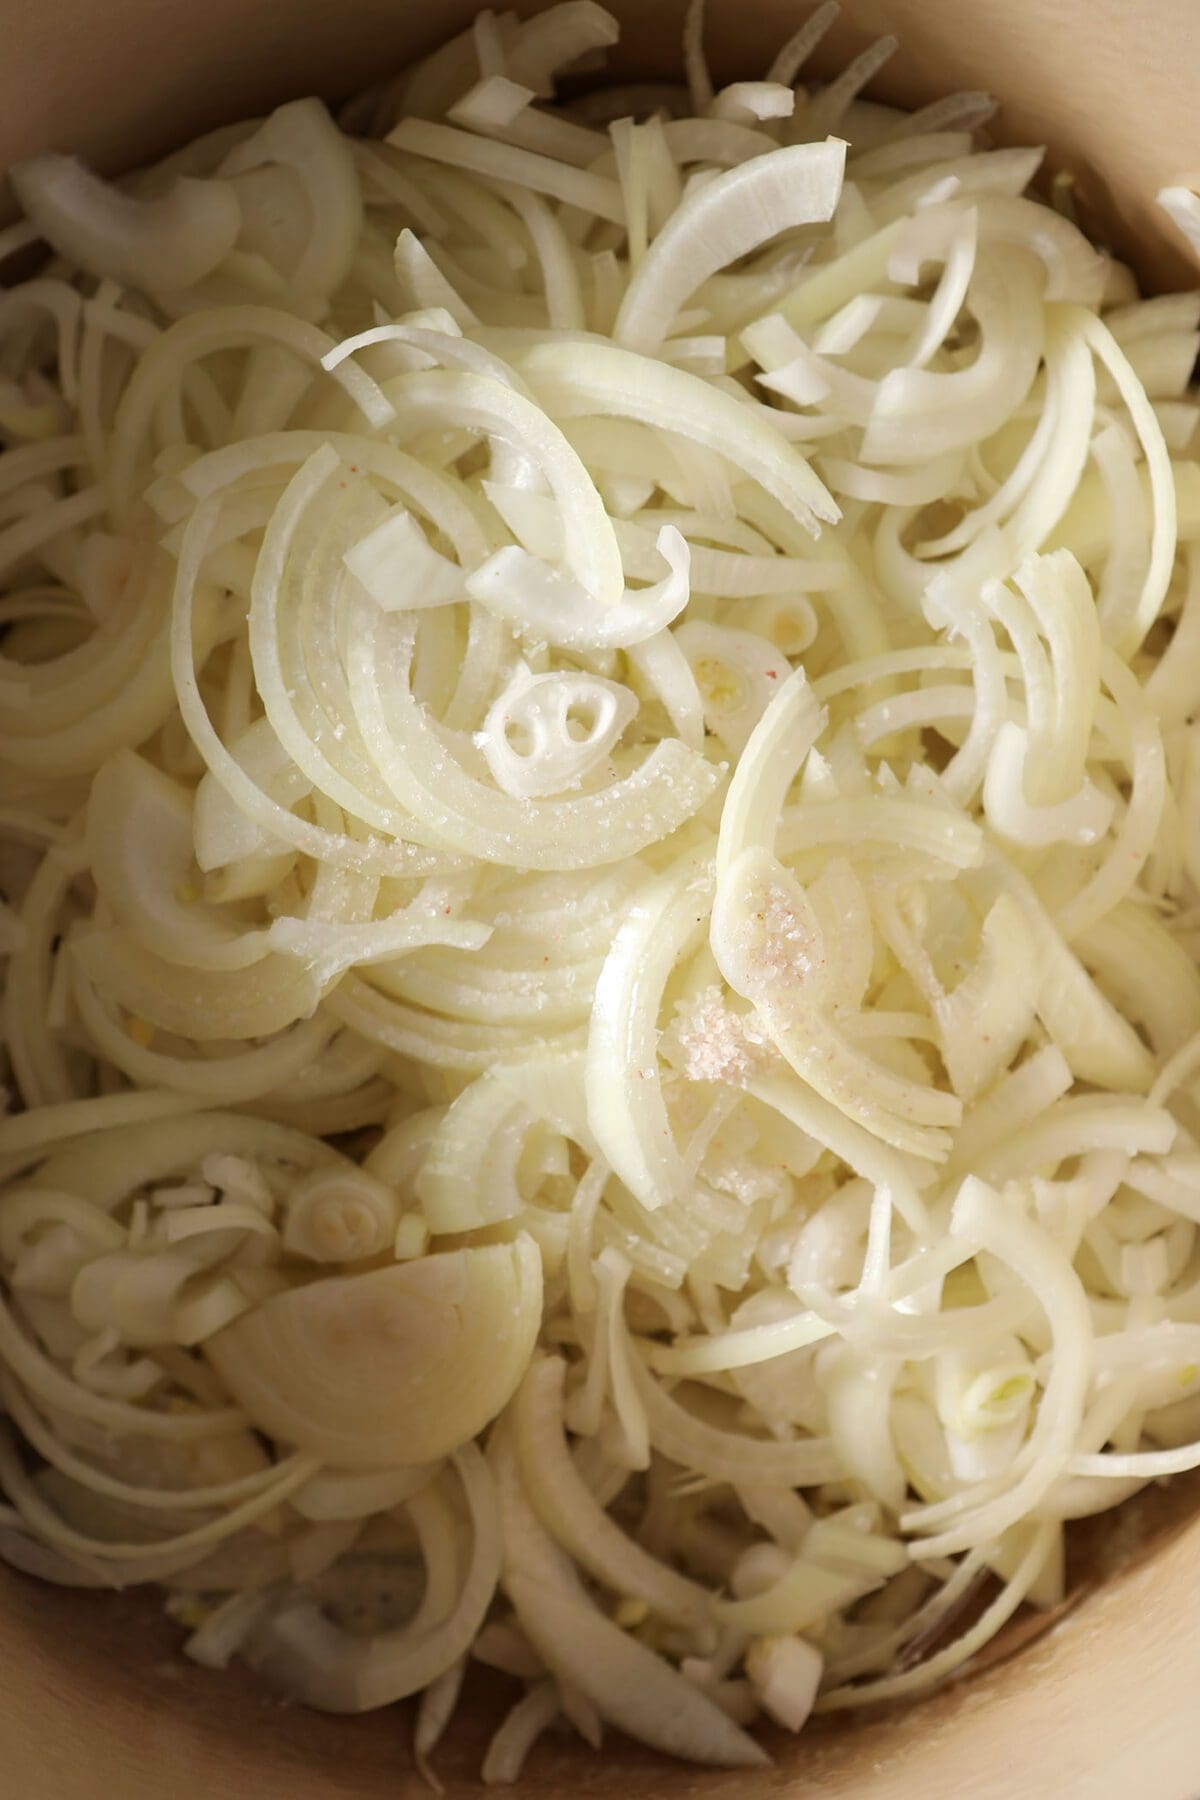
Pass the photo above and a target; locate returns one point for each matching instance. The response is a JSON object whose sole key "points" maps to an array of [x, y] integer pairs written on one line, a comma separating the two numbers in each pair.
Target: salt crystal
{"points": [[716, 1044]]}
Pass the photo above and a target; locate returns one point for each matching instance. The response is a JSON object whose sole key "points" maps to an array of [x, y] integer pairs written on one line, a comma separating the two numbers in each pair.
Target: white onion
{"points": [[722, 221], [170, 241], [749, 981], [413, 1343]]}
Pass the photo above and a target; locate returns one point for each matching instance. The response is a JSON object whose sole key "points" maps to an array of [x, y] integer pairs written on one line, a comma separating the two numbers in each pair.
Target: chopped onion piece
{"points": [[399, 567], [568, 724]]}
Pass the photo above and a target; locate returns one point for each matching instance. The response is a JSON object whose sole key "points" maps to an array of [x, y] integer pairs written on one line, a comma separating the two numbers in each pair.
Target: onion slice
{"points": [[726, 219], [567, 1508], [170, 241], [401, 1365], [627, 1683], [306, 1657]]}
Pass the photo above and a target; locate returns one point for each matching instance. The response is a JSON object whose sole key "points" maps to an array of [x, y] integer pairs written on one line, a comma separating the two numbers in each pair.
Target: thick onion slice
{"points": [[402, 1365], [170, 241]]}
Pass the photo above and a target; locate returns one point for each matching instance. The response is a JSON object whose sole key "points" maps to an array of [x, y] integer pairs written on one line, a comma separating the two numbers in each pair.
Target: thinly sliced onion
{"points": [[463, 814], [523, 591], [566, 1507], [626, 1109], [303, 1655], [171, 241], [506, 162], [337, 663], [722, 221], [1017, 1242], [576, 380], [629, 1686], [689, 1440], [468, 1176], [302, 137]]}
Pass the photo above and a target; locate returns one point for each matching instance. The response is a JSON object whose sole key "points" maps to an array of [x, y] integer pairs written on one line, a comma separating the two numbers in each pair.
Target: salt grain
{"points": [[717, 1044]]}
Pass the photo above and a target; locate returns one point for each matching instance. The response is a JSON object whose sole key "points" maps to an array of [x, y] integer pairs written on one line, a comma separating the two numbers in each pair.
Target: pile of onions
{"points": [[601, 859]]}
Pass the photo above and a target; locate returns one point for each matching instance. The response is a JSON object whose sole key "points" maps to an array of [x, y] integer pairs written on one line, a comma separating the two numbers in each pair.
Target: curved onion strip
{"points": [[768, 765], [268, 996], [431, 491], [151, 1498], [980, 1215], [934, 1668], [920, 412], [1135, 836], [173, 240], [205, 334], [1162, 486], [521, 590], [301, 136], [602, 378], [108, 1165], [308, 1658], [506, 162], [725, 219], [276, 821], [566, 1507], [484, 404], [626, 1109], [877, 1162], [519, 1732], [691, 1442], [286, 1478], [627, 1683], [27, 1135]]}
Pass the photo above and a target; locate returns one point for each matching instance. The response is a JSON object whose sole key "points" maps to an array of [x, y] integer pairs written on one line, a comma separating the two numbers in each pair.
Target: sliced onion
{"points": [[526, 593], [401, 1365], [340, 1215], [306, 1657], [722, 221], [569, 724], [301, 136], [629, 1686], [173, 240], [626, 1110], [576, 380], [567, 1508], [689, 1440], [400, 569]]}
